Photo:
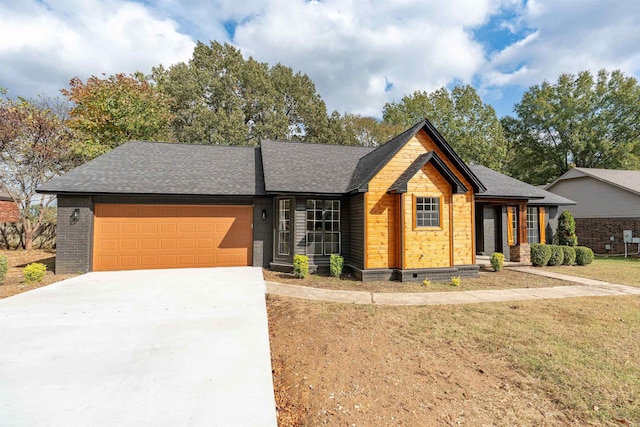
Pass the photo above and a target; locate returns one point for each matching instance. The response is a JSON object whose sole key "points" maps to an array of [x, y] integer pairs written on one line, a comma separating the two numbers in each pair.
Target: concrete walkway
{"points": [[583, 288]]}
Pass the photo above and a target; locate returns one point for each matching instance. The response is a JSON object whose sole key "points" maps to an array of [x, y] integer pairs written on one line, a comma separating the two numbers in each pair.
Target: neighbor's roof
{"points": [[294, 167], [4, 196], [502, 186], [139, 167], [626, 179]]}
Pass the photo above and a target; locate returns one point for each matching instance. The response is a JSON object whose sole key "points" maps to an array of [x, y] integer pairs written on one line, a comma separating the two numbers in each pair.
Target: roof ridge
{"points": [[317, 144]]}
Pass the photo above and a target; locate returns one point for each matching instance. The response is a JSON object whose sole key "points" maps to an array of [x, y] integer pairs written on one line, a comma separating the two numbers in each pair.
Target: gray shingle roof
{"points": [[295, 167], [139, 167], [552, 199], [502, 186]]}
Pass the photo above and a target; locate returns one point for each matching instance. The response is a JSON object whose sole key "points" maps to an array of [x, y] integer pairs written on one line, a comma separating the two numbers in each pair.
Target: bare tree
{"points": [[34, 147]]}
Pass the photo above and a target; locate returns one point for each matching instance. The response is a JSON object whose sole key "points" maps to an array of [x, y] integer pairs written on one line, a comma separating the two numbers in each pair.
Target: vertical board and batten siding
{"points": [[382, 235], [427, 245], [356, 230]]}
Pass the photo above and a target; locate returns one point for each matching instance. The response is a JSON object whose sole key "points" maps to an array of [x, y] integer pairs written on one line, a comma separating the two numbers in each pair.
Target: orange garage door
{"points": [[130, 237]]}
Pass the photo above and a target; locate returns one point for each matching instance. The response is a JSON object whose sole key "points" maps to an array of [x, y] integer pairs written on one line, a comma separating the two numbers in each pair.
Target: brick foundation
{"points": [[520, 253], [595, 233]]}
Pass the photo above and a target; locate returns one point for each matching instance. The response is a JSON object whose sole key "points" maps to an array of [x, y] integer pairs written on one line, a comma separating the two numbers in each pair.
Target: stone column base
{"points": [[520, 253]]}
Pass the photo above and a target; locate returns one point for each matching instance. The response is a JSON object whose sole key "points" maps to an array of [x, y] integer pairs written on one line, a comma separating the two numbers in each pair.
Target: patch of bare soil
{"points": [[486, 280], [343, 365], [18, 260]]}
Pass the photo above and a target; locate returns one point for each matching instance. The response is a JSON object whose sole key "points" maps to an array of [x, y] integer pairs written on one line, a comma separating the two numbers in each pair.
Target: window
{"points": [[323, 227], [284, 226], [533, 229], [427, 212]]}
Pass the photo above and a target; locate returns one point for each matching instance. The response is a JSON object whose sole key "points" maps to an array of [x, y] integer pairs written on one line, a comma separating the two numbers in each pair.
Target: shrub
{"points": [[584, 255], [34, 273], [540, 254], [4, 266], [497, 261], [557, 255], [569, 255], [455, 281], [300, 266], [426, 282], [567, 230], [336, 263]]}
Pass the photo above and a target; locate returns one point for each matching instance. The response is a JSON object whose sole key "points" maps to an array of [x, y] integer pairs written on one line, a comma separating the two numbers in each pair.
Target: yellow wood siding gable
{"points": [[391, 240]]}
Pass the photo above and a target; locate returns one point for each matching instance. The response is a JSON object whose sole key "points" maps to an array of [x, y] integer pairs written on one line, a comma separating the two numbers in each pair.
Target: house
{"points": [[9, 211], [404, 210], [511, 215], [608, 202]]}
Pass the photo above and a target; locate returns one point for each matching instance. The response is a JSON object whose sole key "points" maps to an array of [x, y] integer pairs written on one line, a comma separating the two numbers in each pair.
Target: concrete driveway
{"points": [[186, 347]]}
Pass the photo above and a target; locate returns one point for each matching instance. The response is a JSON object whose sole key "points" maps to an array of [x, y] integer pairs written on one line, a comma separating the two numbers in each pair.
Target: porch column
{"points": [[522, 251]]}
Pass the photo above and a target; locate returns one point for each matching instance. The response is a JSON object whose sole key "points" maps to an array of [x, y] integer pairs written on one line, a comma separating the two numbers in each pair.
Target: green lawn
{"points": [[624, 271]]}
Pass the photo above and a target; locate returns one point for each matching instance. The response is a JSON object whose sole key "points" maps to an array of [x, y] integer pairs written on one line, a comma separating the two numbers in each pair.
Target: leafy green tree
{"points": [[115, 109], [469, 125], [578, 121], [36, 146], [369, 131], [567, 229], [221, 98]]}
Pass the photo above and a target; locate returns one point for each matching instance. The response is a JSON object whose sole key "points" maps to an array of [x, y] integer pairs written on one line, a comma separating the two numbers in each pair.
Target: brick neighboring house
{"points": [[608, 202], [9, 211]]}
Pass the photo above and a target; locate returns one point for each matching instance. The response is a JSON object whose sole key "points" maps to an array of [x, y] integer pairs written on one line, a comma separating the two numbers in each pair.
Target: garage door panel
{"points": [[162, 236]]}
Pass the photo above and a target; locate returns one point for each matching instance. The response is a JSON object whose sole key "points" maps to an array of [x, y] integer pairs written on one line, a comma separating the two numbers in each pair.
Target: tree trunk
{"points": [[28, 234]]}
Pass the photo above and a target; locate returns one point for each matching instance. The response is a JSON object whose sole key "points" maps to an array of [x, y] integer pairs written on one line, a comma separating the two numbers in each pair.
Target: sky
{"points": [[360, 54]]}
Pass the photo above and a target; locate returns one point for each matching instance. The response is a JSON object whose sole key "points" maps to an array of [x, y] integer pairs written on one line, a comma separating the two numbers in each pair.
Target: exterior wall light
{"points": [[264, 214]]}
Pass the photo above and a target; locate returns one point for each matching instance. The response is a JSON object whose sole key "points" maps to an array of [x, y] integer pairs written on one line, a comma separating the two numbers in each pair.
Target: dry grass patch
{"points": [[505, 279], [18, 260], [555, 362], [623, 271]]}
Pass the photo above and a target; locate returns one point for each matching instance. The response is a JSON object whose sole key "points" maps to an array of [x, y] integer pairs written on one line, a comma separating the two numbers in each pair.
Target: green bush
{"points": [[497, 261], [300, 266], [557, 255], [584, 255], [34, 273], [455, 281], [569, 255], [540, 254], [4, 266], [567, 230], [336, 263]]}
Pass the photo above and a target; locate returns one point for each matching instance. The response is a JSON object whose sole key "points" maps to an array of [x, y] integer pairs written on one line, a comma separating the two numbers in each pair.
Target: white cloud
{"points": [[569, 37], [349, 48], [44, 45]]}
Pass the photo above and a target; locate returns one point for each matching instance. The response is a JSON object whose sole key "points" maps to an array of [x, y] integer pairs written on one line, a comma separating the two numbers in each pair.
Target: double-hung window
{"points": [[284, 226], [323, 227], [533, 230], [427, 212]]}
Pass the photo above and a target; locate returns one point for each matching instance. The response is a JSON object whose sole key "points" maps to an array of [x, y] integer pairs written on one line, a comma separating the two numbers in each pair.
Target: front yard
{"points": [[572, 361], [623, 271], [569, 362]]}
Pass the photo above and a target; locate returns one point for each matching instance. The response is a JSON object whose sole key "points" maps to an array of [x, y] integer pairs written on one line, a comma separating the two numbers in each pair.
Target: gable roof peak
{"points": [[372, 163]]}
